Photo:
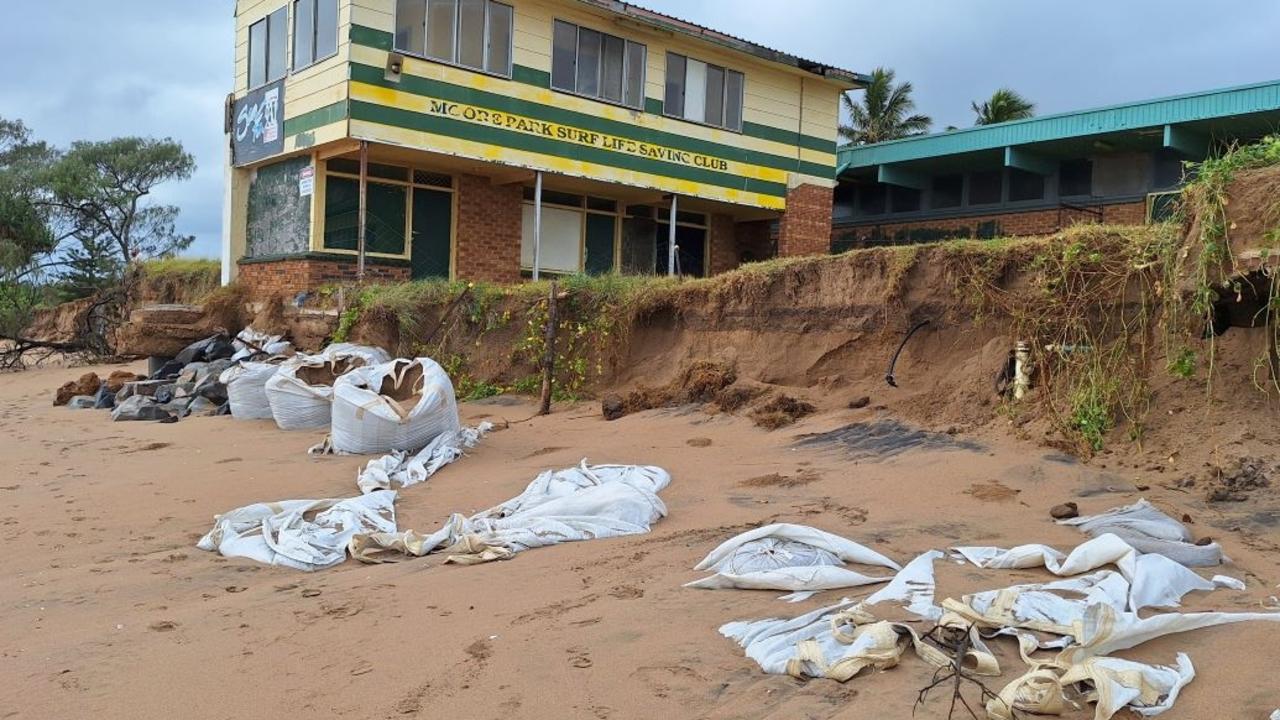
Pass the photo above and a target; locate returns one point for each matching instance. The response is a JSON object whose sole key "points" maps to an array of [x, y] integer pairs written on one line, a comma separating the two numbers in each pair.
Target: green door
{"points": [[432, 225], [599, 244]]}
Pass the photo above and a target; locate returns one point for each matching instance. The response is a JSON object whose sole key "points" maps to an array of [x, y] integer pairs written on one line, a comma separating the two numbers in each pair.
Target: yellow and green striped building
{"points": [[461, 122]]}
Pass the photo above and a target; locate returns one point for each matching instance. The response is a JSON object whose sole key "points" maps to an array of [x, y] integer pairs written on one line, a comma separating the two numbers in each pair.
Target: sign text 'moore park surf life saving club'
{"points": [[577, 136], [256, 124]]}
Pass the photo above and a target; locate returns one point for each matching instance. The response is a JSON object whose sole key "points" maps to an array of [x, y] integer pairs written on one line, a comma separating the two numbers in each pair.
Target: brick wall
{"points": [[291, 277], [488, 230], [724, 245], [805, 228], [757, 239], [1031, 222]]}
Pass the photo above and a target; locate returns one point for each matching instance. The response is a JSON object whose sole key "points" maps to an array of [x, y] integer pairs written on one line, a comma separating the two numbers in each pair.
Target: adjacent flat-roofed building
{"points": [[1115, 164], [450, 125]]}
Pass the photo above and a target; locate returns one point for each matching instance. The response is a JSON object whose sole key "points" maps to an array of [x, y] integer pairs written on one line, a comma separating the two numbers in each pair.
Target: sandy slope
{"points": [[110, 612]]}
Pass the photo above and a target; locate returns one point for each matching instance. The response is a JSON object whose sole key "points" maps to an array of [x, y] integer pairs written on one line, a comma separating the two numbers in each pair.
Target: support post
{"points": [[537, 225], [671, 239], [364, 209], [549, 355]]}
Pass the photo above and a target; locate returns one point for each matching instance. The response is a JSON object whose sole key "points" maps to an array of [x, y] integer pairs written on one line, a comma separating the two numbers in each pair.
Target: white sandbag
{"points": [[300, 534], [401, 405], [250, 342], [301, 393], [1148, 530], [580, 503], [398, 470], [913, 586], [247, 389], [1115, 684], [784, 556]]}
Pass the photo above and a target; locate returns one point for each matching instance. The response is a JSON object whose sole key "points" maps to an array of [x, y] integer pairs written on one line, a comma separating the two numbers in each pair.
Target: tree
{"points": [[1003, 105], [885, 113]]}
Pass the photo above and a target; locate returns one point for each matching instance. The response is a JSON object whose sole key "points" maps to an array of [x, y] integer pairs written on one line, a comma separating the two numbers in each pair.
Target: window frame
{"points": [[724, 95], [410, 184], [288, 49], [627, 44], [315, 33], [421, 53]]}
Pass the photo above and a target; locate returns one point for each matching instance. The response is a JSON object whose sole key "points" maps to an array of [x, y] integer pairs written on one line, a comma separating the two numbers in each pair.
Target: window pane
{"points": [[733, 100], [440, 21], [947, 191], [715, 95], [326, 28], [871, 199], [411, 26], [499, 39], [1075, 177], [674, 101], [904, 199], [304, 31], [384, 221], [695, 90], [985, 187], [564, 48], [258, 53], [341, 212], [611, 68], [471, 37], [634, 95], [277, 36], [589, 42], [1025, 185]]}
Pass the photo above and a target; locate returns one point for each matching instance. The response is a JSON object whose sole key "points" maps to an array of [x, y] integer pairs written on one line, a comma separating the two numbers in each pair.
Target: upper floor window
{"points": [[267, 39], [703, 92], [589, 62], [315, 31], [472, 33]]}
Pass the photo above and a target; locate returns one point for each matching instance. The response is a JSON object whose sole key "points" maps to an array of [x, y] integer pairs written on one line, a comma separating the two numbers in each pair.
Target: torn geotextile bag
{"points": [[1148, 530], [301, 393], [1111, 683], [250, 342], [399, 470], [247, 389], [400, 405], [587, 502], [784, 556], [300, 534]]}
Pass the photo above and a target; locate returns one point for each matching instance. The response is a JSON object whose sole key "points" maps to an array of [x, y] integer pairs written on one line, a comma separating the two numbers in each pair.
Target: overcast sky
{"points": [[96, 69]]}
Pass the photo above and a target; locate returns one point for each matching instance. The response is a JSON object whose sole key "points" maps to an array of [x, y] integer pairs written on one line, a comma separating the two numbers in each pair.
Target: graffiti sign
{"points": [[257, 124]]}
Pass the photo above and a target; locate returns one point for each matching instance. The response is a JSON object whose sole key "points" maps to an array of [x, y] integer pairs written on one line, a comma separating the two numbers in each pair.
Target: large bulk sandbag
{"points": [[250, 342], [301, 393], [247, 390], [400, 405]]}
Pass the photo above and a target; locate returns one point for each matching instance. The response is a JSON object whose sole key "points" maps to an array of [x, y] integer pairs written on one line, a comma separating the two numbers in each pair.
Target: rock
{"points": [[168, 371], [165, 393], [213, 391], [203, 407], [145, 388], [859, 403], [118, 378], [82, 402], [163, 330], [191, 372], [612, 407], [105, 399], [140, 407], [1065, 511], [184, 390], [88, 384]]}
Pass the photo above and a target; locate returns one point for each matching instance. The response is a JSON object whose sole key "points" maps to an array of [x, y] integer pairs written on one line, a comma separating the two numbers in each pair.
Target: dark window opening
{"points": [[985, 188], [904, 199], [871, 199], [1075, 178], [1025, 185], [948, 191]]}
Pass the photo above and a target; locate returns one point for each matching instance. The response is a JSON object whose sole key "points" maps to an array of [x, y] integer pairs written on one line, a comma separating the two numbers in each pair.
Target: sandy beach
{"points": [[110, 611]]}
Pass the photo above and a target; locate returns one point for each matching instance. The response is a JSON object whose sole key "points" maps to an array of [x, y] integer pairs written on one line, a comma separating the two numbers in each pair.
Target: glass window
{"points": [[384, 220], [947, 191], [441, 18], [267, 42], [871, 199], [499, 57], [411, 25], [985, 187], [315, 31], [589, 62], [1025, 185], [471, 34], [1075, 177], [904, 199], [703, 93]]}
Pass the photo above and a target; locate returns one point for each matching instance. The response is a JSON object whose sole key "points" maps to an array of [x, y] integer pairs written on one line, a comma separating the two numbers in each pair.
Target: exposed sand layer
{"points": [[109, 611]]}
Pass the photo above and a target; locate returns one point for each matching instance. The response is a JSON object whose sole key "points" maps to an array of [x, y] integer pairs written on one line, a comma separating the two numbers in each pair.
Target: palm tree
{"points": [[884, 113], [1003, 106]]}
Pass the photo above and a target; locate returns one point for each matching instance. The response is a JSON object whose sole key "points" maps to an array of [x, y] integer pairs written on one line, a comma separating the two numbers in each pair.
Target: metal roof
{"points": [[684, 27], [1201, 111]]}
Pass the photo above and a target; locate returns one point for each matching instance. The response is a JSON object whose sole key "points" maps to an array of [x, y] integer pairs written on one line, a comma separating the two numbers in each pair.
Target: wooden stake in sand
{"points": [[549, 357]]}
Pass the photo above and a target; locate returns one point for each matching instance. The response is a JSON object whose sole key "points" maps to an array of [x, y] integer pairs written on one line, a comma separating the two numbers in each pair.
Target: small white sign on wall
{"points": [[307, 181]]}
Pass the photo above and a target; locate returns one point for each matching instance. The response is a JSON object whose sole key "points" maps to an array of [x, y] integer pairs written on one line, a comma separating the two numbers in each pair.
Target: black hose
{"points": [[888, 376]]}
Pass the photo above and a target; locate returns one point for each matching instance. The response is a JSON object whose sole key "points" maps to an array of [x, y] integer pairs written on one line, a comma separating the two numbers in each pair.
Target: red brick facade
{"points": [[1030, 222], [724, 255], [291, 277], [487, 242], [805, 228]]}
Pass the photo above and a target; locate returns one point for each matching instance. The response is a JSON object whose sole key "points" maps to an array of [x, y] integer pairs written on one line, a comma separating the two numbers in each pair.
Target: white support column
{"points": [[364, 208], [671, 239], [537, 225], [228, 176]]}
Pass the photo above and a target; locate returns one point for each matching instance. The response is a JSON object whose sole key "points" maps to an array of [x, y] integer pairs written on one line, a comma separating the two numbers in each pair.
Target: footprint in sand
{"points": [[163, 626]]}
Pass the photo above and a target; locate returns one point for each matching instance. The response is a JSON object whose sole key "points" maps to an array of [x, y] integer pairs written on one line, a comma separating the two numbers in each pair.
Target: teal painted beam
{"points": [[1187, 142], [1029, 161], [902, 177]]}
